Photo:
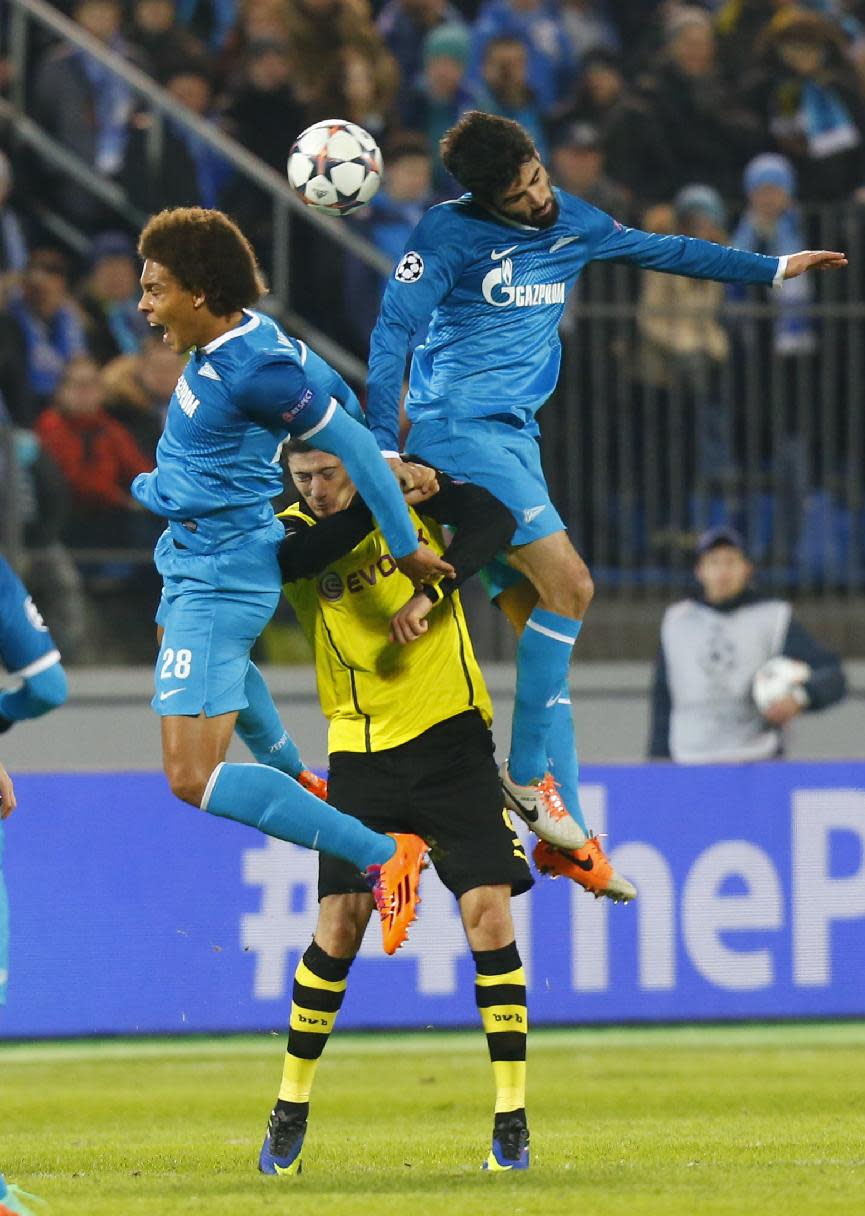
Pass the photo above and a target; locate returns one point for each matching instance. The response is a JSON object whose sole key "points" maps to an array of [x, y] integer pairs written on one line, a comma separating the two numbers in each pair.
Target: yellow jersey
{"points": [[376, 693]]}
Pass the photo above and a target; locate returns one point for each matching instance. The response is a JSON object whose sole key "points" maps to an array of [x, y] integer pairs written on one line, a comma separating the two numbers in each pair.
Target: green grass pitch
{"points": [[696, 1121]]}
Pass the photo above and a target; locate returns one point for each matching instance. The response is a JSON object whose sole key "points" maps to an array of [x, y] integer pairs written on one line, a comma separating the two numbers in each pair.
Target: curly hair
{"points": [[485, 153], [206, 252]]}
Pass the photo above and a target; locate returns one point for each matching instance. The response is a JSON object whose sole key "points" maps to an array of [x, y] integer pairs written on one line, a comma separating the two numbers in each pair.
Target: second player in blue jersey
{"points": [[491, 273]]}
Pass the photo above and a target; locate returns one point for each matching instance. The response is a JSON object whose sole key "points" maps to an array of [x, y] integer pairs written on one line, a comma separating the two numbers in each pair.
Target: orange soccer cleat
{"points": [[312, 782], [589, 866], [395, 886]]}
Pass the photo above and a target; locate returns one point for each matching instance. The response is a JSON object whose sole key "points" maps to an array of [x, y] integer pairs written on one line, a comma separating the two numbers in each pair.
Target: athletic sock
{"points": [[271, 801], [319, 987], [543, 656], [500, 995], [260, 727], [564, 762]]}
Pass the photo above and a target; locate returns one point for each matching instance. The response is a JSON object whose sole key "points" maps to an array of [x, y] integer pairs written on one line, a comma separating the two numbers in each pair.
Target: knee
{"points": [[342, 921], [187, 783], [487, 918], [570, 593]]}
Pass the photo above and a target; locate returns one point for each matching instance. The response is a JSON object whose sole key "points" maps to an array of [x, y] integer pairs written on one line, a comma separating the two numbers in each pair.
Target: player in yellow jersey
{"points": [[409, 744]]}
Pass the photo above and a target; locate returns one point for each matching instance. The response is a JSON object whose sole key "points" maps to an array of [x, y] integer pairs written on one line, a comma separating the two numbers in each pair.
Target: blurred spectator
{"points": [[189, 171], [98, 458], [505, 88], [684, 349], [85, 106], [17, 401], [264, 114], [138, 388], [710, 136], [388, 221], [636, 155], [318, 32], [740, 24], [712, 646], [788, 434], [577, 163], [13, 243], [811, 101], [771, 224], [52, 575], [212, 21], [405, 25], [589, 27], [165, 46], [551, 63], [440, 94], [48, 322], [369, 84], [109, 299]]}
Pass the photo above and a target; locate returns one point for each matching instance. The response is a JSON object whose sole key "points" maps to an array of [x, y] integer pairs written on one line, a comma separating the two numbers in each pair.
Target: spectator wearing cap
{"points": [[441, 93], [577, 163], [712, 645], [405, 25], [113, 324], [810, 101], [48, 321]]}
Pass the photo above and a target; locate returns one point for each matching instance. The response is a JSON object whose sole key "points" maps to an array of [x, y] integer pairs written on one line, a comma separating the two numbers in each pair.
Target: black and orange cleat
{"points": [[589, 866], [312, 782], [395, 888]]}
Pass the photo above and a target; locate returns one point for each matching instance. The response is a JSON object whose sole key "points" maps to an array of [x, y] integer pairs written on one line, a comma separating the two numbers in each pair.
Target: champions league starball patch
{"points": [[409, 269]]}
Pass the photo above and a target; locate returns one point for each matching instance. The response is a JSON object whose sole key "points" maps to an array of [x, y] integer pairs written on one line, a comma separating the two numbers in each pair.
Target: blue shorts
{"points": [[213, 609], [504, 459]]}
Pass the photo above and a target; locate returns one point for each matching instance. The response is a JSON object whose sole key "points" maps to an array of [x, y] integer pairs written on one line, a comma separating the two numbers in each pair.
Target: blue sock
{"points": [[271, 801], [564, 763], [260, 727], [543, 656]]}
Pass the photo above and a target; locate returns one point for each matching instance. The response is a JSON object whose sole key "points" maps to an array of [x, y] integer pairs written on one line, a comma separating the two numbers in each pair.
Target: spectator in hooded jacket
{"points": [[48, 321]]}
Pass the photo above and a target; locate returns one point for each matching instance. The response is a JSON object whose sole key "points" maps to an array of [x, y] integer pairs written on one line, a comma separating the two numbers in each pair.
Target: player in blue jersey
{"points": [[490, 272], [245, 389], [28, 653]]}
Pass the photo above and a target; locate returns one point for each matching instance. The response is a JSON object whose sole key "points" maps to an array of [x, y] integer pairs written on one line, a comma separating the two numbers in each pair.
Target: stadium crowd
{"points": [[716, 119]]}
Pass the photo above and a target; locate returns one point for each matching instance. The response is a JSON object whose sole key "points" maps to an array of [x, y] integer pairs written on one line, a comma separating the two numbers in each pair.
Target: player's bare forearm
{"points": [[813, 259], [410, 622], [7, 794]]}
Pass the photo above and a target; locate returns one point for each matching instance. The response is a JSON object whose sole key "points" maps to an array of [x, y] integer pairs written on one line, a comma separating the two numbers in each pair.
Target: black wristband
{"points": [[432, 592]]}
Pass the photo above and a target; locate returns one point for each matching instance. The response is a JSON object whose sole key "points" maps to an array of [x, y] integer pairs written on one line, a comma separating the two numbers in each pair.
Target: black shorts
{"points": [[444, 786]]}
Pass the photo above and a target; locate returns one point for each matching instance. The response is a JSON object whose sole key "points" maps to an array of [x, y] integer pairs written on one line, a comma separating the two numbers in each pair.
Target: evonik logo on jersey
{"points": [[332, 588], [499, 289]]}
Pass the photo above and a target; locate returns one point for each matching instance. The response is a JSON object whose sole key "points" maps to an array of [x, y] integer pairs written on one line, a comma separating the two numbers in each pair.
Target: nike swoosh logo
{"points": [[585, 863], [528, 812], [163, 696], [496, 256], [562, 241]]}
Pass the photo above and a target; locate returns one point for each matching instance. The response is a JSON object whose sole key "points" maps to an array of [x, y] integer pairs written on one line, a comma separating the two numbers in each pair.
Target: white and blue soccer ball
{"points": [[335, 166], [776, 679]]}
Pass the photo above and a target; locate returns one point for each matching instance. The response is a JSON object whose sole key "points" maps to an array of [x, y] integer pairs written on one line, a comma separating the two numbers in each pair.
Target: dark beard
{"points": [[549, 220]]}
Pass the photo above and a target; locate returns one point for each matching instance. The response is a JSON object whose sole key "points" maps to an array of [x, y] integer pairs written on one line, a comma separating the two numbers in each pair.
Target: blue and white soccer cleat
{"points": [[510, 1150], [283, 1143]]}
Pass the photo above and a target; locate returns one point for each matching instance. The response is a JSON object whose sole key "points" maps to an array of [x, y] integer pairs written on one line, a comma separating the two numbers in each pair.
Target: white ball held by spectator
{"points": [[335, 166], [776, 679]]}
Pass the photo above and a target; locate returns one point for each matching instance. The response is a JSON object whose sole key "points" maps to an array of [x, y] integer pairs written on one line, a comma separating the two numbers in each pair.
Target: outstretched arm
{"points": [[812, 259], [7, 794]]}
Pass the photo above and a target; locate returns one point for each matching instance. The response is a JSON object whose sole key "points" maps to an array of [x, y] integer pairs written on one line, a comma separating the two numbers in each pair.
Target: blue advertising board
{"points": [[132, 913]]}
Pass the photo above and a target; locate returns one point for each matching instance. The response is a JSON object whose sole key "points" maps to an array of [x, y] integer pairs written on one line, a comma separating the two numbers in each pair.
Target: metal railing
{"points": [[283, 201]]}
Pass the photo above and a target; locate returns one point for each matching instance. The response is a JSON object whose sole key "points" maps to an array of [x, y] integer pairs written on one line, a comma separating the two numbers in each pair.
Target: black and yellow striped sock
{"points": [[500, 993], [319, 987]]}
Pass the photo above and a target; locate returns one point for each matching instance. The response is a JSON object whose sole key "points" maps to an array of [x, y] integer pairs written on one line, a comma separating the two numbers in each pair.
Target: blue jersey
{"points": [[496, 292], [26, 646], [237, 401]]}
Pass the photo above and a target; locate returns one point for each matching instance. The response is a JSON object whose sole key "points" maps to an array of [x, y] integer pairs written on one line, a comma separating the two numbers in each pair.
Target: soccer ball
{"points": [[776, 679], [335, 166]]}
